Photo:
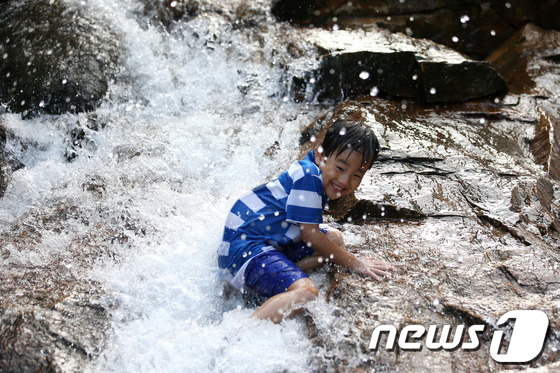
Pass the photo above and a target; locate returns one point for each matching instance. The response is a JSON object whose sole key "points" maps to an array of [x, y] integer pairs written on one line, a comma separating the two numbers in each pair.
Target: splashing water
{"points": [[180, 141]]}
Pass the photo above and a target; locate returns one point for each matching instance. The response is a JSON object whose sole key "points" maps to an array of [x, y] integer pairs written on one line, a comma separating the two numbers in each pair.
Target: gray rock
{"points": [[54, 59]]}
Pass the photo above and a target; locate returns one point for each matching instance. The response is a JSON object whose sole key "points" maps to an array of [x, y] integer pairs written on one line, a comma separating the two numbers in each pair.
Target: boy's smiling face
{"points": [[342, 174]]}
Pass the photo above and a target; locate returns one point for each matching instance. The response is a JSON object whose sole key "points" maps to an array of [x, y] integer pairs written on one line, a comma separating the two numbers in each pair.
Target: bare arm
{"points": [[336, 254]]}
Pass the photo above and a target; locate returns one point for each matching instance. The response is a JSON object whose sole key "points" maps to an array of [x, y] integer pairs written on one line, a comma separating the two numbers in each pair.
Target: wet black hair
{"points": [[346, 134]]}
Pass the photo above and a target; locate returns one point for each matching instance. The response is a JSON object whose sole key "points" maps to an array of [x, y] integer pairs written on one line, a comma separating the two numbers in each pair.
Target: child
{"points": [[272, 233]]}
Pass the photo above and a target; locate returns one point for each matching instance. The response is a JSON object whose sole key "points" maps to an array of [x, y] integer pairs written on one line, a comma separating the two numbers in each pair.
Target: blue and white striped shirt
{"points": [[267, 217]]}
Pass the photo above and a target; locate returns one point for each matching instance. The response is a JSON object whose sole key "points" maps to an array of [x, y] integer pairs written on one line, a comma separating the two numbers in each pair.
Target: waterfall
{"points": [[183, 132]]}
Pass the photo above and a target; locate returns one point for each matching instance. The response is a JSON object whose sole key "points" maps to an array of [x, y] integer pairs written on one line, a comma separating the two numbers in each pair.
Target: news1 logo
{"points": [[525, 343]]}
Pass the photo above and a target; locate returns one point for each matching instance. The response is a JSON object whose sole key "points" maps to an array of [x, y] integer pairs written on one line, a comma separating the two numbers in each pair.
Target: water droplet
{"points": [[342, 132], [374, 92], [433, 91], [415, 77], [493, 32], [364, 75], [465, 18], [173, 4], [335, 27], [455, 39]]}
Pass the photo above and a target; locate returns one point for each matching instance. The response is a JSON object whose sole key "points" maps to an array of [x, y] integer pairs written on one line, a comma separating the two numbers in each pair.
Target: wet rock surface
{"points": [[53, 317], [467, 214], [358, 63], [475, 28], [529, 73], [55, 58]]}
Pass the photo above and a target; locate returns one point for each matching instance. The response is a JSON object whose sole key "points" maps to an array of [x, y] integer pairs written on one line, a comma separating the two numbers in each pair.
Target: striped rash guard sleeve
{"points": [[305, 199]]}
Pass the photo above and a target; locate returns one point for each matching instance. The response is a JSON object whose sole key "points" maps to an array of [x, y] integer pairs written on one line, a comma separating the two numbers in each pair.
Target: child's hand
{"points": [[373, 267]]}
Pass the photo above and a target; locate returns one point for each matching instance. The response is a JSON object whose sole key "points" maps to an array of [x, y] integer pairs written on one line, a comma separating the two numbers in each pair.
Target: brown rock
{"points": [[472, 27], [528, 54]]}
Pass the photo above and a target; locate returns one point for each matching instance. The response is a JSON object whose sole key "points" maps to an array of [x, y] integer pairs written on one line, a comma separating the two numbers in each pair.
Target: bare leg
{"points": [[289, 303], [315, 260]]}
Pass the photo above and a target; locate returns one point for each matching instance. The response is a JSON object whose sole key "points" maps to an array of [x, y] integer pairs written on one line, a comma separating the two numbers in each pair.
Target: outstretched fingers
{"points": [[375, 268]]}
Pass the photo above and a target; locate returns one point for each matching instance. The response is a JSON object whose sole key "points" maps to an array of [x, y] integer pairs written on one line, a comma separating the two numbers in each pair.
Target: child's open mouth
{"points": [[337, 190]]}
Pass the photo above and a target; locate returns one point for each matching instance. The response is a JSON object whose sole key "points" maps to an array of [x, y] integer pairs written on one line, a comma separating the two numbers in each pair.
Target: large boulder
{"points": [[51, 315], [469, 220], [371, 63], [472, 27], [54, 58]]}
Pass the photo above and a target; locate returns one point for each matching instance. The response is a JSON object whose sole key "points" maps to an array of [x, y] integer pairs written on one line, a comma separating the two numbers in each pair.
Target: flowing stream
{"points": [[182, 133]]}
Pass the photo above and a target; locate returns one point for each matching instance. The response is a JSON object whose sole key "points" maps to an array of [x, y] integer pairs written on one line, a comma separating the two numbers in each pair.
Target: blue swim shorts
{"points": [[274, 271]]}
